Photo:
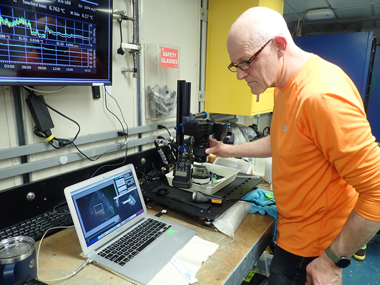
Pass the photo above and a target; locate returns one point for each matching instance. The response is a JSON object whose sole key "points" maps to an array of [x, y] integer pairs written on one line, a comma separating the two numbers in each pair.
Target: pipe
{"points": [[134, 52]]}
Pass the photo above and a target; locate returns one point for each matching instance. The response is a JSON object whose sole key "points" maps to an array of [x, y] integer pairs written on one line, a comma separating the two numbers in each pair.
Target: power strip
{"points": [[258, 166]]}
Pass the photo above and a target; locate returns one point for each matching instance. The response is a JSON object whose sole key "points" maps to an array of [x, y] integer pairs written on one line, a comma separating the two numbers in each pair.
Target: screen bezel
{"points": [[94, 180], [75, 79]]}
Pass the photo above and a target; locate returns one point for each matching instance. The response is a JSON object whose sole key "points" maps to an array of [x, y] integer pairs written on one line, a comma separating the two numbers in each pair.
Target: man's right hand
{"points": [[219, 149]]}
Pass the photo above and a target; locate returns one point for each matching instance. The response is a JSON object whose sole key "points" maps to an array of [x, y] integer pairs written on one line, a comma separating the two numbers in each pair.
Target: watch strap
{"points": [[332, 255]]}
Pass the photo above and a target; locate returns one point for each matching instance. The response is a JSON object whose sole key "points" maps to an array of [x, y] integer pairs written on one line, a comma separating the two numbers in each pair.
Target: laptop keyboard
{"points": [[127, 247]]}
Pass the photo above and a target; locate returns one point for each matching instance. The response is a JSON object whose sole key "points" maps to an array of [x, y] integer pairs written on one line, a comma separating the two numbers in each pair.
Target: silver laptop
{"points": [[115, 230]]}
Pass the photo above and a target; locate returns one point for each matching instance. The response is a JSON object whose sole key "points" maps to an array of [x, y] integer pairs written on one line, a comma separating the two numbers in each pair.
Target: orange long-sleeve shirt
{"points": [[325, 159]]}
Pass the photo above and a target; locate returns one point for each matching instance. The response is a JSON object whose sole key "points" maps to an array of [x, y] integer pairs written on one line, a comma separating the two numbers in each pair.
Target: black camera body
{"points": [[182, 172], [200, 130]]}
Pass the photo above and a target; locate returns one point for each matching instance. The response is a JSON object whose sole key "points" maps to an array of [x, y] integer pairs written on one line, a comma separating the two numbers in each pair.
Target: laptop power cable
{"points": [[88, 261]]}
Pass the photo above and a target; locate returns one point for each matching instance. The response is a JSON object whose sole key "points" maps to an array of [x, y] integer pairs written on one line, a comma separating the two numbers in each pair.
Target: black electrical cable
{"points": [[164, 127], [116, 164], [44, 135], [122, 126], [61, 142], [99, 156], [121, 112], [65, 142]]}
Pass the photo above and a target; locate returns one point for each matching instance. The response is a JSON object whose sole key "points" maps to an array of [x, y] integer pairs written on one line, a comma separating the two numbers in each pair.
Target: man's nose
{"points": [[241, 74]]}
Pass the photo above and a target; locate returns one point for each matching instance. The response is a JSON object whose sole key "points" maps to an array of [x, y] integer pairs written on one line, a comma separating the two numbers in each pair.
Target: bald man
{"points": [[326, 163]]}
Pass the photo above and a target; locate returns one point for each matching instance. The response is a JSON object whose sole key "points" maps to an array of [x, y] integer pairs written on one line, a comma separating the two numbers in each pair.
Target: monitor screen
{"points": [[55, 42], [107, 205]]}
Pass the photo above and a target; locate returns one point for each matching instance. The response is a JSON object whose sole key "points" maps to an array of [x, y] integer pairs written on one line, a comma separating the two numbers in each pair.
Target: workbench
{"points": [[235, 257]]}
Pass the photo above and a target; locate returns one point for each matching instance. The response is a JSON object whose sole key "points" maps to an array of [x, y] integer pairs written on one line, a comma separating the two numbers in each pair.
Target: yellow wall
{"points": [[224, 93]]}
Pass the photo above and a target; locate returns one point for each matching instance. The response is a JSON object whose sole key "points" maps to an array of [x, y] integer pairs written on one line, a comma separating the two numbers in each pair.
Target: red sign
{"points": [[169, 57]]}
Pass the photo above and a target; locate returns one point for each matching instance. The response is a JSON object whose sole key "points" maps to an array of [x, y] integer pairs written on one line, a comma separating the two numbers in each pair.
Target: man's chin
{"points": [[257, 91]]}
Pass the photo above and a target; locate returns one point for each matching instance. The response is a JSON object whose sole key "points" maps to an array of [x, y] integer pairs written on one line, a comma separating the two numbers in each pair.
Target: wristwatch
{"points": [[341, 262]]}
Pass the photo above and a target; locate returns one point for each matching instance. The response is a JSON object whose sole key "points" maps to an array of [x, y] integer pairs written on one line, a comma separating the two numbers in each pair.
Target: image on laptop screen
{"points": [[107, 205]]}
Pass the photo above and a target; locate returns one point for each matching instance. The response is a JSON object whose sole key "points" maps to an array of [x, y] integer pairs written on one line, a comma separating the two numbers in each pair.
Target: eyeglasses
{"points": [[245, 65]]}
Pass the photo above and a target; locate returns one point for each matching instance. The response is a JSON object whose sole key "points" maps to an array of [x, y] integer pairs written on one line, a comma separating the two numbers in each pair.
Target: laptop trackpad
{"points": [[154, 257]]}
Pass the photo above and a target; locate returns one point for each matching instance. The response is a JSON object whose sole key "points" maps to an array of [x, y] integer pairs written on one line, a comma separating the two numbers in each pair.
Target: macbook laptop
{"points": [[115, 230]]}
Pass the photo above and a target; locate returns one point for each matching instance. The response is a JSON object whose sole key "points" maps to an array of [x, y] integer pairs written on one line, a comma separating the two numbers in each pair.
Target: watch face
{"points": [[343, 262]]}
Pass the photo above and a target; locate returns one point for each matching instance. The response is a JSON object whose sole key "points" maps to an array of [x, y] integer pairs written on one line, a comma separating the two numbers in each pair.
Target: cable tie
{"points": [[48, 139]]}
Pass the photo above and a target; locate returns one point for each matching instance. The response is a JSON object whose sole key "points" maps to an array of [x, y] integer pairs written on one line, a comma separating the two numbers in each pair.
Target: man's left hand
{"points": [[322, 271]]}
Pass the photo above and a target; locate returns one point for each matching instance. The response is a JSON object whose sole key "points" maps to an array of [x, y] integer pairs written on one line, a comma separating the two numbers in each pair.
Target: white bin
{"points": [[229, 175]]}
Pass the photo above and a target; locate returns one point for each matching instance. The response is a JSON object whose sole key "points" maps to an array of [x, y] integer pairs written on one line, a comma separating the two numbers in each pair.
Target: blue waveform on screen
{"points": [[36, 32]]}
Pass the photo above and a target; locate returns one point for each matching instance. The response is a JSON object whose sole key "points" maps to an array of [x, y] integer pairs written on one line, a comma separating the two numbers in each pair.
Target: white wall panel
{"points": [[172, 22], [175, 23]]}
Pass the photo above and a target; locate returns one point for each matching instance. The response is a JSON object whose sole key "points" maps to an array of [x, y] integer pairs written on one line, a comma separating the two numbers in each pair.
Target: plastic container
{"points": [[228, 173], [230, 220], [238, 164], [263, 264]]}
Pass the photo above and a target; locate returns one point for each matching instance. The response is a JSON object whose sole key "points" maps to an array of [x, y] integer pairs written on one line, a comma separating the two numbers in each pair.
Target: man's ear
{"points": [[281, 44]]}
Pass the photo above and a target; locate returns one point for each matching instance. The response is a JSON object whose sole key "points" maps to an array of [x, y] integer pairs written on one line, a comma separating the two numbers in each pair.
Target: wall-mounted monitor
{"points": [[55, 42]]}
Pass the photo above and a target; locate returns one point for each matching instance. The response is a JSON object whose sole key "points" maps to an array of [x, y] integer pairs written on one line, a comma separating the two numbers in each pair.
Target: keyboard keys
{"points": [[36, 226], [128, 246]]}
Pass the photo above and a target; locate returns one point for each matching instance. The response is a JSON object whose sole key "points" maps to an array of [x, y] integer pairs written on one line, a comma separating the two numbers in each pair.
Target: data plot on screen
{"points": [[55, 42], [33, 38]]}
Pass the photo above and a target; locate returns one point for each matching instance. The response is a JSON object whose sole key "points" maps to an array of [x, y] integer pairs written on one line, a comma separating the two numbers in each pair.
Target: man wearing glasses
{"points": [[326, 164]]}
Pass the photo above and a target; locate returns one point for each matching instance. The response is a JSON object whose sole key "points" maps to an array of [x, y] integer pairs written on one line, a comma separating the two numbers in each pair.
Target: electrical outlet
{"points": [[258, 166], [268, 170]]}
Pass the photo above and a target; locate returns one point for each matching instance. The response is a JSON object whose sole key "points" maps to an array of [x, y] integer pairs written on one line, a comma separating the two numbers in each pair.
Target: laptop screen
{"points": [[107, 205]]}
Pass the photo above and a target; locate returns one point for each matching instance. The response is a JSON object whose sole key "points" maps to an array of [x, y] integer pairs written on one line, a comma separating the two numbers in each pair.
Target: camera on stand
{"points": [[189, 166]]}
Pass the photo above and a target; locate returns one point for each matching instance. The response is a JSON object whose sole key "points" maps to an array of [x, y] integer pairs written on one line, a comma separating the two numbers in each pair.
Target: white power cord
{"points": [[43, 91], [61, 278]]}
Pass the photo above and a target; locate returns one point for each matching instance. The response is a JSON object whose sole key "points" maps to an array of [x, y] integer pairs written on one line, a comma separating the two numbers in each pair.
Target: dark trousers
{"points": [[287, 268]]}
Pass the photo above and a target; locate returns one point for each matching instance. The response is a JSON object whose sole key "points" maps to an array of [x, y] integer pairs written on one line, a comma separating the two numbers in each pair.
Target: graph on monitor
{"points": [[53, 41], [60, 37]]}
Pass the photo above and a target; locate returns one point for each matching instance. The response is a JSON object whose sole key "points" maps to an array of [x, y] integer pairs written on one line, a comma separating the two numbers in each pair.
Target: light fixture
{"points": [[320, 14]]}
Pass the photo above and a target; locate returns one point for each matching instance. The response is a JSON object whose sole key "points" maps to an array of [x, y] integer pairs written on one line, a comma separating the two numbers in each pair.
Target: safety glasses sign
{"points": [[169, 57]]}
